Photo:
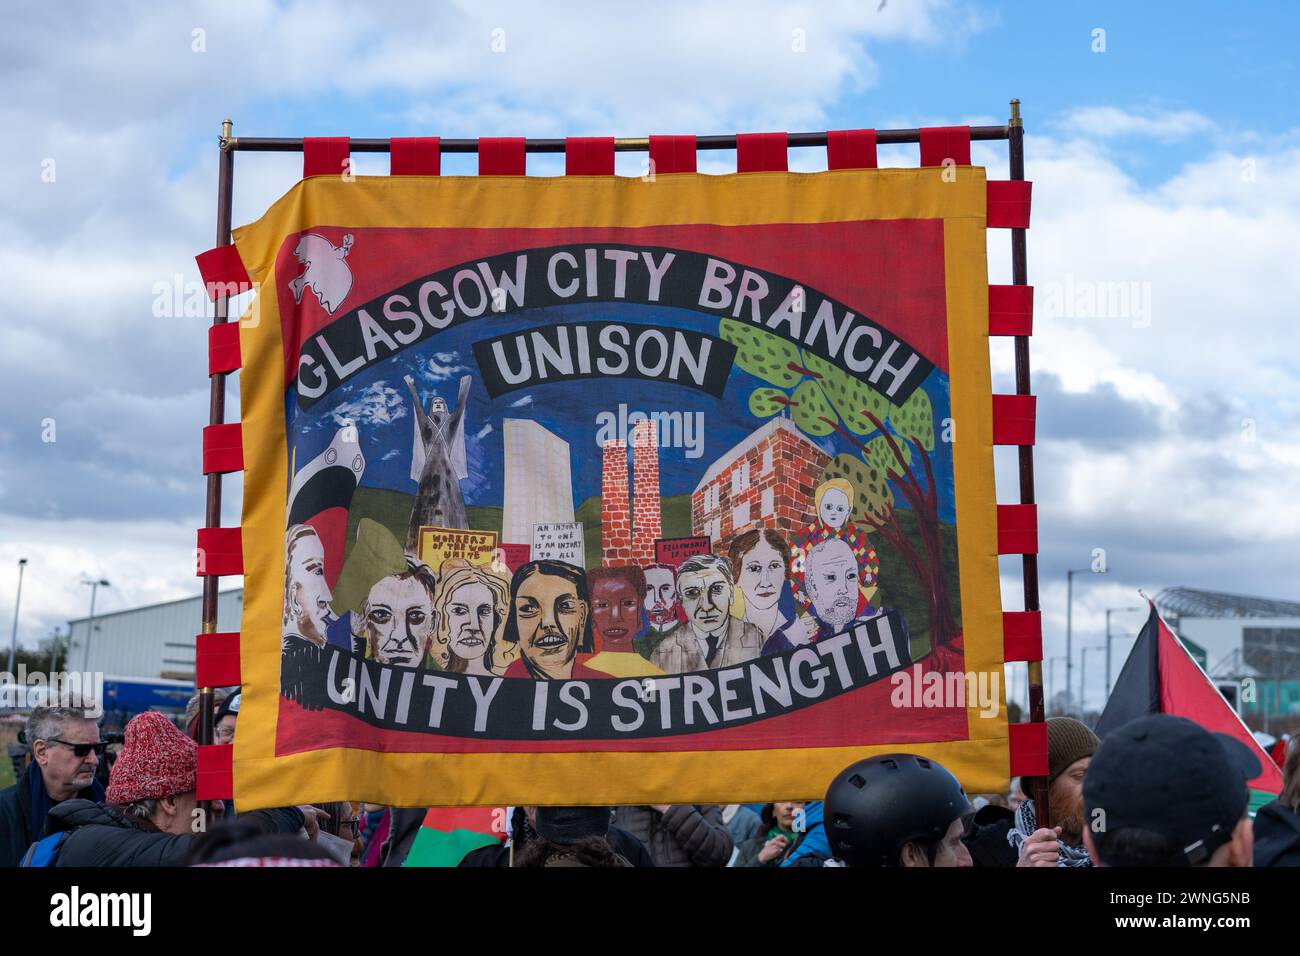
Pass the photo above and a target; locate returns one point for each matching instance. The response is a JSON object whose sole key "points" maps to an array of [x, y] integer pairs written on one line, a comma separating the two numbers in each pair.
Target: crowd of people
{"points": [[1159, 791]]}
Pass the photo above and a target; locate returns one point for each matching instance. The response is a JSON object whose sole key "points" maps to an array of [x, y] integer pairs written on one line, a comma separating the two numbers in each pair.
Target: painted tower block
{"points": [[615, 519], [646, 517], [538, 482]]}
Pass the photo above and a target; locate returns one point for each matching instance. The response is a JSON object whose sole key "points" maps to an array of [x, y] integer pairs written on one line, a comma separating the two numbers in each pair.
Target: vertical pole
{"points": [[1069, 632], [90, 626], [1029, 562], [216, 416], [13, 636], [1108, 610]]}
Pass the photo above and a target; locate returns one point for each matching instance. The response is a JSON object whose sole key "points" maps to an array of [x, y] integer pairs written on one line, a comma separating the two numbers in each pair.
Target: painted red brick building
{"points": [[768, 480], [628, 529]]}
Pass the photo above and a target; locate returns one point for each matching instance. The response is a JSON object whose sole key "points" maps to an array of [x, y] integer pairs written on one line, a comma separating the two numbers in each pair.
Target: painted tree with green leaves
{"points": [[893, 444]]}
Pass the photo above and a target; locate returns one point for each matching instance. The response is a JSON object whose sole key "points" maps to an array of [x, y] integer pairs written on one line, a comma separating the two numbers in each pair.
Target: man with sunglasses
{"points": [[66, 750]]}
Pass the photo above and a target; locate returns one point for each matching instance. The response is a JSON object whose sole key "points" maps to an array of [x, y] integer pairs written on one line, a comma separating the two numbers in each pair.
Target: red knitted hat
{"points": [[157, 760]]}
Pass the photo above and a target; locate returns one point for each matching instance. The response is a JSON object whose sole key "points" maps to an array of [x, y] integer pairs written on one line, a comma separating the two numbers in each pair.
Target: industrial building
{"points": [[1250, 648], [146, 654]]}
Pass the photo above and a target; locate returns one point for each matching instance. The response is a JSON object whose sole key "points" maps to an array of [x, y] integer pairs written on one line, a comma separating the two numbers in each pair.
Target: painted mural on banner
{"points": [[573, 490]]}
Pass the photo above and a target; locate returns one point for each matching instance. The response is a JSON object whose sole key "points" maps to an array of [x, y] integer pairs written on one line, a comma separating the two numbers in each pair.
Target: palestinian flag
{"points": [[1161, 677], [448, 833], [321, 494]]}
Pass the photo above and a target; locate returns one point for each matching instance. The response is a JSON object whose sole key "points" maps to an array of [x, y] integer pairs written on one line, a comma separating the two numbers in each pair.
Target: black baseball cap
{"points": [[229, 706], [1171, 776], [571, 824]]}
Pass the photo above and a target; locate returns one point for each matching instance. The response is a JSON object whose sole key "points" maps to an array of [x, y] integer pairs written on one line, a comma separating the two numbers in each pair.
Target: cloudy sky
{"points": [[1162, 143]]}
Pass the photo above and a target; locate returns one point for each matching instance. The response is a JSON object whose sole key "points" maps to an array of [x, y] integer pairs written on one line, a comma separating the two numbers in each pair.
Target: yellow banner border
{"points": [[601, 777]]}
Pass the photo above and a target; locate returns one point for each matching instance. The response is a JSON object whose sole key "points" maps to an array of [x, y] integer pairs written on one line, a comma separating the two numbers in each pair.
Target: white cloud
{"points": [[1111, 122], [377, 404]]}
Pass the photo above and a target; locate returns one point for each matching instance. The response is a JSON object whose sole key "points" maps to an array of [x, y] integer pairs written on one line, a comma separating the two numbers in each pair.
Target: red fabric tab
{"points": [[216, 777], [672, 154], [945, 142], [589, 156], [1017, 529], [1013, 419], [1028, 749], [223, 348], [1022, 635], [223, 272], [851, 149], [325, 156], [1011, 310], [762, 153], [1008, 204], [223, 448], [415, 156], [502, 156], [220, 551], [216, 660]]}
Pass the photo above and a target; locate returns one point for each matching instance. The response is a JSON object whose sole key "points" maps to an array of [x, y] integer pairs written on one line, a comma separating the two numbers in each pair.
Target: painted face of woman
{"points": [[471, 619], [762, 576]]}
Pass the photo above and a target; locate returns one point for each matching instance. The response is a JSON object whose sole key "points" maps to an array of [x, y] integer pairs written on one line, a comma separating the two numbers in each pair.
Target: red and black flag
{"points": [[1161, 677], [321, 494]]}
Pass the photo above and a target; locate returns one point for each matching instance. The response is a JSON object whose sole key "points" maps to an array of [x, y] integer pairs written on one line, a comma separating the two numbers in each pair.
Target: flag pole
{"points": [[216, 416], [1029, 562]]}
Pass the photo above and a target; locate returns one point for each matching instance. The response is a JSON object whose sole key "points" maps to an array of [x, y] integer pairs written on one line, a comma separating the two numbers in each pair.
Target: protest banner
{"points": [[799, 354]]}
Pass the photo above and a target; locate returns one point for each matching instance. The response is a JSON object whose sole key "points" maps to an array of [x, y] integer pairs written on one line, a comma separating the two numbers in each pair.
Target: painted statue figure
{"points": [[437, 464]]}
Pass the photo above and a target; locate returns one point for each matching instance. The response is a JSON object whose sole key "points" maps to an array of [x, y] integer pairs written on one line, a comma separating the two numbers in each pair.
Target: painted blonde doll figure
{"points": [[833, 502]]}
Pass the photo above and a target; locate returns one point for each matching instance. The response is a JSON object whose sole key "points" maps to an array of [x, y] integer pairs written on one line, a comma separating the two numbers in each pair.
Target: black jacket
{"points": [[15, 811], [1277, 835], [101, 835], [986, 836], [624, 844]]}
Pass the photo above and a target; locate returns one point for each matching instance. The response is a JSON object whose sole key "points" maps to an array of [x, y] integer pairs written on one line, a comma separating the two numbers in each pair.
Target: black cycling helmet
{"points": [[877, 806]]}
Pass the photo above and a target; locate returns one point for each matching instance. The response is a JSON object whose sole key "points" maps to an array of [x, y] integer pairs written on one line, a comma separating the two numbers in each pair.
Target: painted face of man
{"points": [[311, 595], [660, 598], [615, 610], [551, 619], [832, 576], [706, 598], [834, 508], [471, 619], [762, 575], [399, 621]]}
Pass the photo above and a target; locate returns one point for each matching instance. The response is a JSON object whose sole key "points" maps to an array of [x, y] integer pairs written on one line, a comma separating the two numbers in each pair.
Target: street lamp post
{"points": [[1083, 674], [90, 623], [1109, 612], [13, 637], [1069, 625]]}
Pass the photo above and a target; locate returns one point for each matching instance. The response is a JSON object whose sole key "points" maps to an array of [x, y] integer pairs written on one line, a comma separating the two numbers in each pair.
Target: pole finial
{"points": [[1015, 114], [227, 128]]}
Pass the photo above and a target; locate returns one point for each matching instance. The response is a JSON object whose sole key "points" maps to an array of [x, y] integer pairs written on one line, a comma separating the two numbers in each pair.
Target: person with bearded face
{"points": [[550, 621], [1070, 746], [397, 621], [832, 578], [306, 594]]}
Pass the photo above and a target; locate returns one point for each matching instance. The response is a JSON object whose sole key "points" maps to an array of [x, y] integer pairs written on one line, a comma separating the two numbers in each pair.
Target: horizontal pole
{"points": [[272, 144]]}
